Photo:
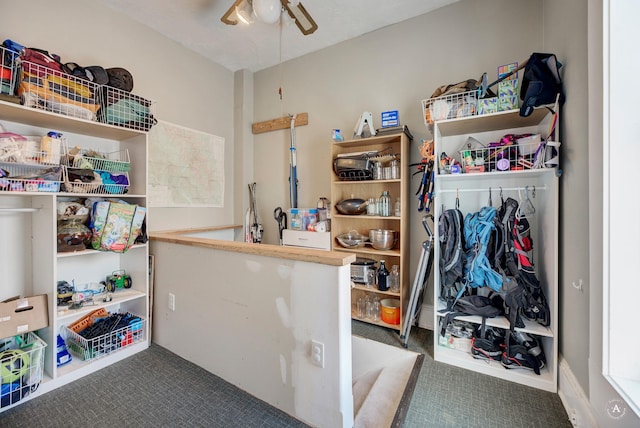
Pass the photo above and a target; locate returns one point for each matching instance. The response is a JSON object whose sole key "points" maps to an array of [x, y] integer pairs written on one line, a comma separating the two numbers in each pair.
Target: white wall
{"points": [[250, 319], [189, 90], [609, 102]]}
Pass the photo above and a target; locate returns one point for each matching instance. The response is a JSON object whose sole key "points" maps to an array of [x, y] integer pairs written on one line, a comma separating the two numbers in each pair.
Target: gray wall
{"points": [[390, 69], [567, 39]]}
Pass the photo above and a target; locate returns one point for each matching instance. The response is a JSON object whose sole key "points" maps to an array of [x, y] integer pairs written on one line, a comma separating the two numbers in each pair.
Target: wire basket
{"points": [[96, 347], [29, 178], [122, 108], [8, 71], [92, 159], [84, 180], [58, 92], [32, 150], [528, 153], [452, 106], [22, 362]]}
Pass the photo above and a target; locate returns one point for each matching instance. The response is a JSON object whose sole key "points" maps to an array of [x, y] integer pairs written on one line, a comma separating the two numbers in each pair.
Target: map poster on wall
{"points": [[186, 167]]}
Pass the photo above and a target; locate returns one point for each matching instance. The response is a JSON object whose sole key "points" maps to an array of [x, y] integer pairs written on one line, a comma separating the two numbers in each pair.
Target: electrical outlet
{"points": [[317, 353], [172, 302]]}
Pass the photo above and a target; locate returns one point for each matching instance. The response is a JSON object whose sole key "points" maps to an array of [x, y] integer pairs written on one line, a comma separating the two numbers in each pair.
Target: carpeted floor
{"points": [[155, 388]]}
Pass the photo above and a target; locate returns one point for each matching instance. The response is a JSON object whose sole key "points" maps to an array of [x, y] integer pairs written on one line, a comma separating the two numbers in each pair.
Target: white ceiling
{"points": [[196, 25]]}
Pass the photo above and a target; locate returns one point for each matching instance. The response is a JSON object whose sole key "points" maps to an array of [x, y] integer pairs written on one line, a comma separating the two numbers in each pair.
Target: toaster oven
{"points": [[363, 271]]}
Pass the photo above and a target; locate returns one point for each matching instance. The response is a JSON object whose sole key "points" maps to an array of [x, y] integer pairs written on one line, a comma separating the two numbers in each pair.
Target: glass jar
{"points": [[372, 206], [395, 169], [384, 207], [377, 171]]}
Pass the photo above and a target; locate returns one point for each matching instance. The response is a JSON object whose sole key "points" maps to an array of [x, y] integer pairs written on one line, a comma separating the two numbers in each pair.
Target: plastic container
{"points": [[390, 311], [301, 218]]}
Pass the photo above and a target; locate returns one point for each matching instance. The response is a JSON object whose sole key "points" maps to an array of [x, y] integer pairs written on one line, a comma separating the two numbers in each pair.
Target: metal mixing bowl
{"points": [[351, 239], [382, 239]]}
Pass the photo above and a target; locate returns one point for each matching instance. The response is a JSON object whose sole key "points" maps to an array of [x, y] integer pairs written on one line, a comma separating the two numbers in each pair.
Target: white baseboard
{"points": [[573, 398], [426, 317]]}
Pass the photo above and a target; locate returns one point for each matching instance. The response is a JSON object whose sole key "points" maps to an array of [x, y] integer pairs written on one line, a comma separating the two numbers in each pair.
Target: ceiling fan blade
{"points": [[303, 20], [231, 17]]}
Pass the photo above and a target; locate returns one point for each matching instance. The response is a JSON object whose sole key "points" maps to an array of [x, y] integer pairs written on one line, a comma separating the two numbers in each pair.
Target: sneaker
{"points": [[518, 356], [489, 347], [531, 343]]}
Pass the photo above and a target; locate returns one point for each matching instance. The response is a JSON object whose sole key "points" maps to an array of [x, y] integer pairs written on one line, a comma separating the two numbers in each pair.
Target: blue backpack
{"points": [[478, 228]]}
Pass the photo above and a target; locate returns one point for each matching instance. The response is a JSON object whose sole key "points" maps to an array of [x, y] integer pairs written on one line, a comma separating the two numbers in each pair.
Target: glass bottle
{"points": [[376, 309], [394, 279], [361, 307], [368, 306], [383, 277], [396, 208], [385, 204]]}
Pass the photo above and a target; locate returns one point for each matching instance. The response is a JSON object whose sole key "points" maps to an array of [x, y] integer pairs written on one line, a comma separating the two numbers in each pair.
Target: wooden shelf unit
{"points": [[365, 189]]}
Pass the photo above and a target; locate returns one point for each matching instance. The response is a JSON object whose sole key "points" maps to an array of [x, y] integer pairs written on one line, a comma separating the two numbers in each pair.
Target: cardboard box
{"points": [[300, 238], [23, 314]]}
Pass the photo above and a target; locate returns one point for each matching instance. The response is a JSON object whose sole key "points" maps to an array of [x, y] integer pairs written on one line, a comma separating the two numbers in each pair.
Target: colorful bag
{"points": [[115, 226]]}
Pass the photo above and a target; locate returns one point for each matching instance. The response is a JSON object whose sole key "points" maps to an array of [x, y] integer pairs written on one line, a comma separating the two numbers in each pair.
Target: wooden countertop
{"points": [[332, 258]]}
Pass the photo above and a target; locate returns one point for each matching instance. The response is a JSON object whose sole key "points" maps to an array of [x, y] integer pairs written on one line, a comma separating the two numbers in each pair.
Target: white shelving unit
{"points": [[473, 191], [29, 261]]}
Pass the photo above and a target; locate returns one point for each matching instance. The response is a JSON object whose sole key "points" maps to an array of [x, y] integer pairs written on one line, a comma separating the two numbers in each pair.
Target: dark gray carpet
{"points": [[155, 388], [447, 396]]}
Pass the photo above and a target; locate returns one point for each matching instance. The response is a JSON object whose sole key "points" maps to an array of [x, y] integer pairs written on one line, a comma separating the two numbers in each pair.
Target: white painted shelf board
{"points": [[119, 296], [545, 380]]}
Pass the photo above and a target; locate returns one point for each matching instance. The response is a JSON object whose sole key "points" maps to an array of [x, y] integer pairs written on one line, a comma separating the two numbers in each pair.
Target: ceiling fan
{"points": [[269, 11]]}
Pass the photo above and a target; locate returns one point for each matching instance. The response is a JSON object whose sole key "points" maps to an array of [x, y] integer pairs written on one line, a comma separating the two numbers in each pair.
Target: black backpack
{"points": [[452, 258], [541, 83], [483, 306], [526, 296]]}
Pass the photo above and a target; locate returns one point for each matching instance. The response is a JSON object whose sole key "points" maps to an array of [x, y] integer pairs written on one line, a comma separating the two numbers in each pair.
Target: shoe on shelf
{"points": [[523, 352]]}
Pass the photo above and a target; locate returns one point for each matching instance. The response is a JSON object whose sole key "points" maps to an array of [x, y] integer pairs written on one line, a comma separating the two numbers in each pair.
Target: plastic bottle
{"points": [[62, 355], [383, 277], [396, 208], [394, 279], [385, 204]]}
